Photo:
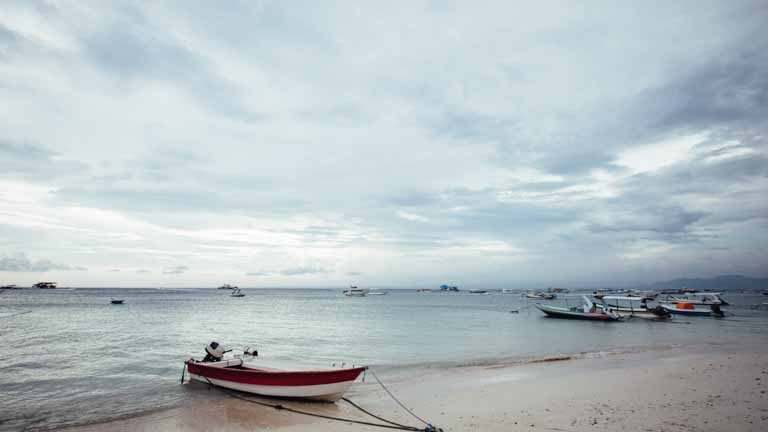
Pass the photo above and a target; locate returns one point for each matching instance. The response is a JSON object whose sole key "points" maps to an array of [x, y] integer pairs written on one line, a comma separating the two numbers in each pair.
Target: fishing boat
{"points": [[540, 296], [698, 298], [227, 287], [587, 311], [628, 306], [247, 375], [45, 285], [424, 290], [9, 287], [354, 291], [689, 309], [116, 301], [236, 292]]}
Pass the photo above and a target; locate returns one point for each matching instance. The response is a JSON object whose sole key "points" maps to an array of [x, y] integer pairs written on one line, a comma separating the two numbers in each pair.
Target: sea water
{"points": [[70, 357]]}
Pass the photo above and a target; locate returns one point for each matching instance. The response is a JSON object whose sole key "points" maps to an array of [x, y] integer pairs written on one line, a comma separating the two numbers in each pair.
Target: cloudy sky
{"points": [[293, 143]]}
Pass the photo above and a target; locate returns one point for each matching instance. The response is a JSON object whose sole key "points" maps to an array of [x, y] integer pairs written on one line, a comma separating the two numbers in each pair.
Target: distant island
{"points": [[718, 283]]}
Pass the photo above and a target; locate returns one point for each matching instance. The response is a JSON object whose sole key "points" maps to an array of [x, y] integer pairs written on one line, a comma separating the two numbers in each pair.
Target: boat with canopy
{"points": [[586, 311]]}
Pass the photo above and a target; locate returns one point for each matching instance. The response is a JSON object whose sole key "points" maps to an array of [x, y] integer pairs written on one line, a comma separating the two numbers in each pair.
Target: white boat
{"points": [[477, 291], [354, 291], [698, 298], [508, 291], [374, 293], [236, 292], [689, 309], [247, 374], [628, 306], [587, 311], [227, 287], [540, 295]]}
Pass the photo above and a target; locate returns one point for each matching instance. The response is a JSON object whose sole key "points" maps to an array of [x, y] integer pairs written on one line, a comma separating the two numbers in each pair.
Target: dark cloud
{"points": [[175, 269], [20, 263], [136, 50], [654, 219], [35, 162]]}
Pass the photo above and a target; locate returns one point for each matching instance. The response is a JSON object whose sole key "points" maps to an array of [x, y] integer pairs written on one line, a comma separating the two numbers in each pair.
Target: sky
{"points": [[326, 144]]}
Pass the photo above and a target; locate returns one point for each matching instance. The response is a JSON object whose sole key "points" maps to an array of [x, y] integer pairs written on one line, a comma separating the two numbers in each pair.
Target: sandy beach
{"points": [[691, 388]]}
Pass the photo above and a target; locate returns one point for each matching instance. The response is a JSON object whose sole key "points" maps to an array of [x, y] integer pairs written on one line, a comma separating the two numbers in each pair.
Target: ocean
{"points": [[71, 358]]}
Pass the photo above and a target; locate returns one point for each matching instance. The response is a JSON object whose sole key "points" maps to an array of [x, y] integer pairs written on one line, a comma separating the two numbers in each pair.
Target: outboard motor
{"points": [[661, 312], [717, 311], [214, 352]]}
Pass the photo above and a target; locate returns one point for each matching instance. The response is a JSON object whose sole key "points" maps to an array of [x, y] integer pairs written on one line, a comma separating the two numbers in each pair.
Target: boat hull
{"points": [[688, 312], [554, 312], [326, 385]]}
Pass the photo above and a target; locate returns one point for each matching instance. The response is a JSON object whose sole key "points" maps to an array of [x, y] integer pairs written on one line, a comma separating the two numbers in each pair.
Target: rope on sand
{"points": [[280, 407]]}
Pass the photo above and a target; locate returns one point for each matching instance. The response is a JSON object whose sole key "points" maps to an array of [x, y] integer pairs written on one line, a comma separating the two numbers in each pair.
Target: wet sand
{"points": [[701, 388]]}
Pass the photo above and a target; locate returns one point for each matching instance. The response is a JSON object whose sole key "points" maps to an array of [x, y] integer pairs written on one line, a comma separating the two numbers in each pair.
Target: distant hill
{"points": [[719, 283]]}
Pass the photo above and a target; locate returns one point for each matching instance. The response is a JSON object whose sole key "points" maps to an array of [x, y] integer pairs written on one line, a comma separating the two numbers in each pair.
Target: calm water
{"points": [[75, 358]]}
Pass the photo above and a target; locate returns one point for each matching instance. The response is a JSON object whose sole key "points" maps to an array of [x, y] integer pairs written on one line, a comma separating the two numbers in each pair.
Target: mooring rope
{"points": [[398, 401], [280, 407]]}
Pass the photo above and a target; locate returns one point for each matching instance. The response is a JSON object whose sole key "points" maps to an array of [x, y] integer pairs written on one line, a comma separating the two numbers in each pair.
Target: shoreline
{"points": [[564, 392]]}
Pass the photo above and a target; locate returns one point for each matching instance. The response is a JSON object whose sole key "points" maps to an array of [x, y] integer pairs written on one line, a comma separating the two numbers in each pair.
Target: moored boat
{"points": [[689, 309], [354, 291], [587, 311], [629, 306], [248, 376], [698, 298]]}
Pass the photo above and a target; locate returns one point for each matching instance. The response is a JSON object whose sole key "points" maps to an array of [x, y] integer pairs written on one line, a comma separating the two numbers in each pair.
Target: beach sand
{"points": [[693, 388]]}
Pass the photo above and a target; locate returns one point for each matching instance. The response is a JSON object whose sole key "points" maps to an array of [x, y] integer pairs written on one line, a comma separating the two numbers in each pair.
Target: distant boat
{"points": [[354, 291], [45, 285], [540, 296], [236, 292], [227, 287], [424, 290], [588, 311], [477, 291], [9, 287], [116, 301], [378, 292], [448, 288], [507, 291]]}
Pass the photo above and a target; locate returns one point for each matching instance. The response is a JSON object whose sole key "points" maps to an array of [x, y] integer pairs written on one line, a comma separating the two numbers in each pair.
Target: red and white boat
{"points": [[250, 377]]}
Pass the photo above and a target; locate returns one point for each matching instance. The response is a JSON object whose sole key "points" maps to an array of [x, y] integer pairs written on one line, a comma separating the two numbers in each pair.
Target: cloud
{"points": [[175, 269], [299, 271], [20, 263], [143, 271], [273, 135], [27, 160]]}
